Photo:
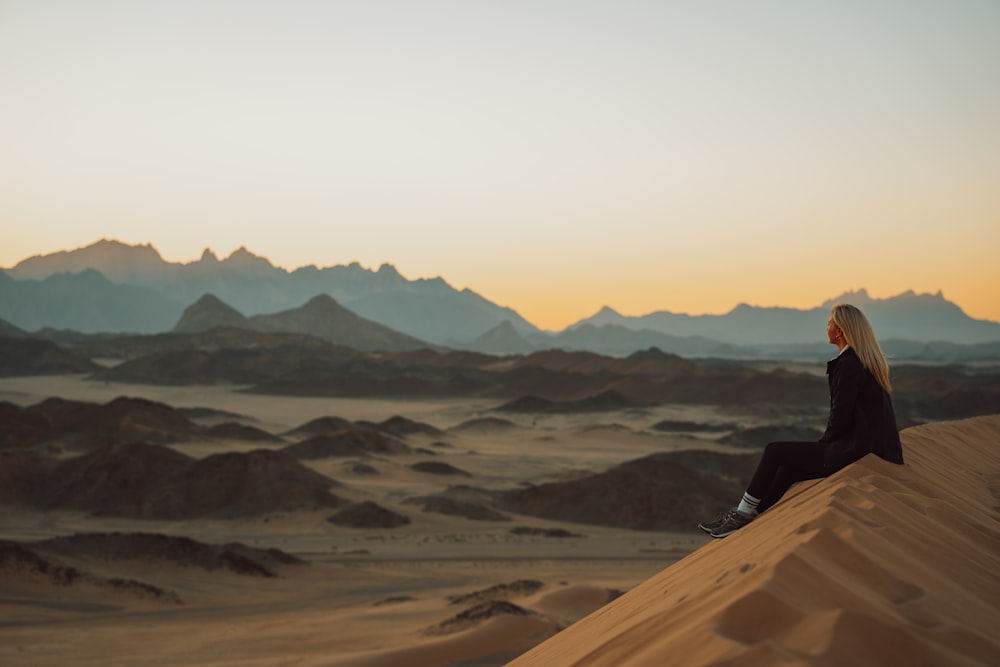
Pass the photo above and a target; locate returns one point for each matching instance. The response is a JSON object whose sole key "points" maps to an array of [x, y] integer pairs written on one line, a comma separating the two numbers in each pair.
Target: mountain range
{"points": [[110, 286]]}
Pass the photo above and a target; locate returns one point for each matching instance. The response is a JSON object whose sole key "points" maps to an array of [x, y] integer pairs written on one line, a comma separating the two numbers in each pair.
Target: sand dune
{"points": [[876, 565]]}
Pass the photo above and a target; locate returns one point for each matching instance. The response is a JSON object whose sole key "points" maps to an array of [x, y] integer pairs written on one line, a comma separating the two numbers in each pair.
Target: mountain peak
{"points": [[116, 260], [324, 318], [862, 298], [320, 301], [242, 256], [504, 338], [208, 255], [240, 252], [858, 297], [207, 313], [606, 315]]}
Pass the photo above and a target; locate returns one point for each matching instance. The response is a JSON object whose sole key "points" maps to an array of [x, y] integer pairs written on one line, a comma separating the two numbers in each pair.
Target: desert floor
{"points": [[367, 596]]}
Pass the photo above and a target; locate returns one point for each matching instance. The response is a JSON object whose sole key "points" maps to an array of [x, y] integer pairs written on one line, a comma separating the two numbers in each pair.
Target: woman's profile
{"points": [[861, 422]]}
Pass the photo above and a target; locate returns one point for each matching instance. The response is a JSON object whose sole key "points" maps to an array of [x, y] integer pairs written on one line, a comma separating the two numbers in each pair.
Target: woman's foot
{"points": [[732, 522], [709, 526]]}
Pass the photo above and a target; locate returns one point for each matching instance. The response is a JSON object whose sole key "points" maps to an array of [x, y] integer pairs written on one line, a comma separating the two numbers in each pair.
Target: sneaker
{"points": [[709, 526], [734, 521]]}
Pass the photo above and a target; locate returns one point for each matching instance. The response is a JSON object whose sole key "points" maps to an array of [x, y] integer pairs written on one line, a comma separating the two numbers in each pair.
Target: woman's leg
{"points": [[783, 480], [783, 464]]}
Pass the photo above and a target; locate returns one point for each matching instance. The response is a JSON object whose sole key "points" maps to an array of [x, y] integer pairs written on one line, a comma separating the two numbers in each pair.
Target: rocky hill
{"points": [[59, 424], [27, 356], [147, 481], [207, 313], [658, 492], [321, 318]]}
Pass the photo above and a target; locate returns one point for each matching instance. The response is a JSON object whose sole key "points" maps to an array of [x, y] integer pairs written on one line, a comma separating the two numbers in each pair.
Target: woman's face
{"points": [[833, 332]]}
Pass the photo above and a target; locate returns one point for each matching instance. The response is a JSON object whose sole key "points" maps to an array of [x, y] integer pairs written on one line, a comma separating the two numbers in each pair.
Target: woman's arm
{"points": [[845, 381]]}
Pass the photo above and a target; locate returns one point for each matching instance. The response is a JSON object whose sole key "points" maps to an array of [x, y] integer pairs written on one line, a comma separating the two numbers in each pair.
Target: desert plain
{"points": [[443, 588], [205, 525]]}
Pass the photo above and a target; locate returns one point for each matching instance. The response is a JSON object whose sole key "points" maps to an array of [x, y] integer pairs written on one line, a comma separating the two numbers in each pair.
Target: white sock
{"points": [[748, 505]]}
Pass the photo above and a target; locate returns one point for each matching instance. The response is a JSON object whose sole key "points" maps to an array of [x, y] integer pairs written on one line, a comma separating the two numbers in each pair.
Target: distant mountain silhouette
{"points": [[119, 262], [504, 338], [324, 318], [907, 316], [86, 301], [426, 309], [208, 313], [8, 330], [321, 317], [618, 340], [114, 287]]}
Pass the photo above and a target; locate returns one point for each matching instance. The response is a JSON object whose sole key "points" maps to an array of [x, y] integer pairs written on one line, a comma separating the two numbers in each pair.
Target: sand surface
{"points": [[876, 565]]}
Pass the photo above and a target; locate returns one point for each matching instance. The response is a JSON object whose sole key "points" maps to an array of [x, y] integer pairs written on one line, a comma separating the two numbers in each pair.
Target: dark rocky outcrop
{"points": [[657, 492], [402, 427], [518, 588], [368, 515], [28, 356], [241, 484], [480, 612], [438, 468], [237, 431], [320, 426], [235, 557], [148, 481], [63, 424], [350, 442], [543, 532], [29, 562]]}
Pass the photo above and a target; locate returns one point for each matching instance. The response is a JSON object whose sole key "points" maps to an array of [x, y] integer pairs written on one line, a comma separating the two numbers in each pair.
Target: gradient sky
{"points": [[553, 156]]}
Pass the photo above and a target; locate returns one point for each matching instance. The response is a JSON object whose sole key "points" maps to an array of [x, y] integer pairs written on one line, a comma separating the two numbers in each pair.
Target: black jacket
{"points": [[861, 418]]}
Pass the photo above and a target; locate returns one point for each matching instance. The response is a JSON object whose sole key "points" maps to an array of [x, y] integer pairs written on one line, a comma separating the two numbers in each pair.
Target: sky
{"points": [[553, 156]]}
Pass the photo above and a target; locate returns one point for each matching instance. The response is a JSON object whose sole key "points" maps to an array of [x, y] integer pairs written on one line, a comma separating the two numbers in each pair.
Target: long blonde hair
{"points": [[861, 337]]}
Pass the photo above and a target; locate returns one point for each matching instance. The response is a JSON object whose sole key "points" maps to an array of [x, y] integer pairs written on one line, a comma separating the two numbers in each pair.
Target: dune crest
{"points": [[878, 564]]}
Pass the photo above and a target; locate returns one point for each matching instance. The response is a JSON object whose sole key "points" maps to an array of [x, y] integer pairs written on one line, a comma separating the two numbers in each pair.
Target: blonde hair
{"points": [[861, 337]]}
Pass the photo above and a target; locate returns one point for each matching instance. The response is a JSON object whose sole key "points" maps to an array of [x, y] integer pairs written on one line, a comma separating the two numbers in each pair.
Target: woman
{"points": [[861, 421]]}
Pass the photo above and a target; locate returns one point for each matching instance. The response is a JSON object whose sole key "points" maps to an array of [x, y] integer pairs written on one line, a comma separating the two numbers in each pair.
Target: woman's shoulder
{"points": [[846, 360]]}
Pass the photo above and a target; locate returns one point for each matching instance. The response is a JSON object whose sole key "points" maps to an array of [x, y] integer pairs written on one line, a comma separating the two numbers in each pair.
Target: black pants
{"points": [[784, 464]]}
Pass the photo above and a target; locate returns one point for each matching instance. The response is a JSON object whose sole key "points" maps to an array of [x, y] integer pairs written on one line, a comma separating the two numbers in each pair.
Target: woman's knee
{"points": [[784, 453], [774, 450]]}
